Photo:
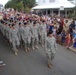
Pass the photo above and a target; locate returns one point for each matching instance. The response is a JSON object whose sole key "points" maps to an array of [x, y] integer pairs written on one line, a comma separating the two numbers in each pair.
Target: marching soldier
{"points": [[27, 37], [39, 31], [10, 32], [43, 33], [14, 39], [50, 48], [34, 36], [21, 29], [3, 29], [7, 31]]}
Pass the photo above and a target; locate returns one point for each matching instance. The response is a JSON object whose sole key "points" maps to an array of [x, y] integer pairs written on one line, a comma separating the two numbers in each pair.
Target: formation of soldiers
{"points": [[28, 31], [27, 34]]}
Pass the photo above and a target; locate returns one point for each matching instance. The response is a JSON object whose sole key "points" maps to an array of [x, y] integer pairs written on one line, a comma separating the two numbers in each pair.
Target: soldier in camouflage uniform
{"points": [[50, 48], [14, 39], [21, 29], [34, 36], [27, 37], [43, 33]]}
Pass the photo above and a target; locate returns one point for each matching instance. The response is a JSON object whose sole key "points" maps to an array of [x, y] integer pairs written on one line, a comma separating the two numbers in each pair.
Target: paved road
{"points": [[35, 62]]}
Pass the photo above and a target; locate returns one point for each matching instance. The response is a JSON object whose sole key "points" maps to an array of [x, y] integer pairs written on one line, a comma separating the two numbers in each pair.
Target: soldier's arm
{"points": [[46, 43], [18, 33], [10, 36], [55, 45], [32, 32], [40, 29], [22, 34]]}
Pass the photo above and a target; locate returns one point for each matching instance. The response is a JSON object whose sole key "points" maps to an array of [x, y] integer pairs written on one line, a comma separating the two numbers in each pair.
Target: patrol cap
{"points": [[13, 25], [25, 23], [5, 23], [11, 18], [34, 22], [30, 21], [19, 23]]}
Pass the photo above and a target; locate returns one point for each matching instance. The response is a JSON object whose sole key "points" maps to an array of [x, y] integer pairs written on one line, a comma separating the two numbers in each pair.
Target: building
{"points": [[54, 6]]}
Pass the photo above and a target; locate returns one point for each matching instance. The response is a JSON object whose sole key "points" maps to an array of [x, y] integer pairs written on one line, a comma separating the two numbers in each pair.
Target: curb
{"points": [[72, 49]]}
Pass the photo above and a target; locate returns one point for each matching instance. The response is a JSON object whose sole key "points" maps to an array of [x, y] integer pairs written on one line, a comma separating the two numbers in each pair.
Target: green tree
{"points": [[29, 3], [20, 4]]}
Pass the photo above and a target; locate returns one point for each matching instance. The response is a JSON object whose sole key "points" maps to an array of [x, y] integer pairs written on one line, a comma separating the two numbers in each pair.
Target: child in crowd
{"points": [[50, 48], [63, 35], [68, 39]]}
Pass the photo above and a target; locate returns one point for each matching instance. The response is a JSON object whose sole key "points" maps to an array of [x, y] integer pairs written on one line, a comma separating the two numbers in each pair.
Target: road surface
{"points": [[35, 62]]}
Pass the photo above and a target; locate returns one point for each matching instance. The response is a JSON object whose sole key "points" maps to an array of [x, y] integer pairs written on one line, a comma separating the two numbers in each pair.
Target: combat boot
{"points": [[16, 53], [33, 48], [36, 47], [42, 46], [28, 49], [49, 66]]}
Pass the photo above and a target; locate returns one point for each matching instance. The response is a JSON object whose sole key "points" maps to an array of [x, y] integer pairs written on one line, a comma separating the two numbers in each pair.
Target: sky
{"points": [[5, 1]]}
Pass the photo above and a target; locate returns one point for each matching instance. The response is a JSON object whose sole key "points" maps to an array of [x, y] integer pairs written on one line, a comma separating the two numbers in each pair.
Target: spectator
{"points": [[63, 37], [68, 39]]}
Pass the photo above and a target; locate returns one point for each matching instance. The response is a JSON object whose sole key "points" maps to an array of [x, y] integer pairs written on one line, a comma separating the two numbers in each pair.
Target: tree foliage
{"points": [[29, 3], [20, 4]]}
